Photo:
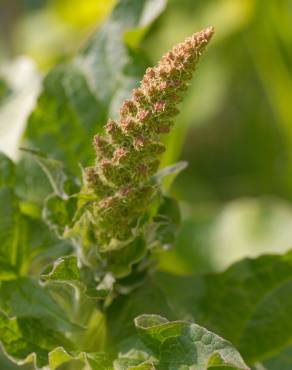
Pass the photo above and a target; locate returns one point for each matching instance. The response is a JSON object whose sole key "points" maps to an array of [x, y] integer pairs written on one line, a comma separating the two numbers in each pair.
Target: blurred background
{"points": [[235, 126]]}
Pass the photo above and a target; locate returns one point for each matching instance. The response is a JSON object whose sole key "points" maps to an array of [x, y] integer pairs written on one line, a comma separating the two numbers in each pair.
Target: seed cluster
{"points": [[127, 153]]}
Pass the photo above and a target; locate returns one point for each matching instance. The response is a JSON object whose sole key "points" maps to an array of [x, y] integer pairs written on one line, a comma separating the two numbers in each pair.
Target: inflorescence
{"points": [[127, 153]]}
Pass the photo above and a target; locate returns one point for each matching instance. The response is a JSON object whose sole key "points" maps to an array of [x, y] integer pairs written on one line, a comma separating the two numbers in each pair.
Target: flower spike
{"points": [[128, 152]]}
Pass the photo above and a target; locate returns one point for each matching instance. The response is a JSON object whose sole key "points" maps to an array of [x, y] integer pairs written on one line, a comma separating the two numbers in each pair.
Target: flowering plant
{"points": [[79, 283]]}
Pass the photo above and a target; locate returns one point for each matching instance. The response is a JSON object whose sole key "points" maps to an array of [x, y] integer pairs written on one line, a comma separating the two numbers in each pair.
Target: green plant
{"points": [[79, 288]]}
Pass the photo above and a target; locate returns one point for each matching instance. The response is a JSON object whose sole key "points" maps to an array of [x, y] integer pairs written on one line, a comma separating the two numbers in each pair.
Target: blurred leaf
{"points": [[10, 253], [54, 171], [13, 341], [81, 14], [66, 105], [26, 243], [65, 269], [167, 221], [277, 85], [120, 261], [181, 345], [4, 90], [148, 299], [37, 324], [107, 61], [248, 303], [282, 360], [168, 174], [59, 359], [253, 226], [148, 12], [22, 86], [191, 253], [59, 213], [83, 311], [50, 316], [41, 246], [24, 298], [28, 341], [7, 171], [7, 364]]}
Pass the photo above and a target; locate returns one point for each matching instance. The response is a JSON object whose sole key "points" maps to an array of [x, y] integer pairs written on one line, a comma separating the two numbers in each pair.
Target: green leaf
{"points": [[59, 359], [148, 299], [167, 222], [26, 298], [120, 261], [132, 364], [183, 345], [7, 363], [55, 125], [40, 246], [13, 341], [148, 12], [249, 304], [59, 213], [82, 310], [27, 341], [9, 233], [108, 62], [5, 90], [7, 171], [45, 317], [180, 344], [54, 171], [169, 173], [65, 269], [26, 243], [282, 360]]}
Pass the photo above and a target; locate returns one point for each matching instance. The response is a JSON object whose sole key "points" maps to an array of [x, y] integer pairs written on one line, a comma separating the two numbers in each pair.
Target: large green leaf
{"points": [[27, 244], [40, 318], [26, 298], [40, 246], [180, 345], [54, 171], [250, 303], [55, 126], [28, 341]]}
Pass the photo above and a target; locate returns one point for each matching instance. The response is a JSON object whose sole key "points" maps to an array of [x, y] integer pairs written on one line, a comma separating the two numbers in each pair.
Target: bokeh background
{"points": [[235, 126]]}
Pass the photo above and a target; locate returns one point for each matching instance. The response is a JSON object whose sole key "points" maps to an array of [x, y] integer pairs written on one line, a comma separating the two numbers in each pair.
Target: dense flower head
{"points": [[127, 153]]}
